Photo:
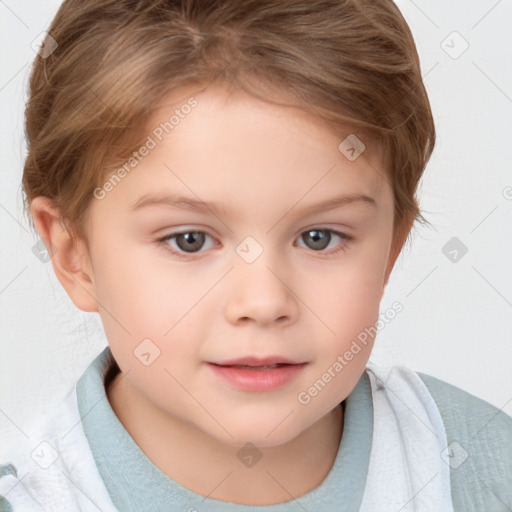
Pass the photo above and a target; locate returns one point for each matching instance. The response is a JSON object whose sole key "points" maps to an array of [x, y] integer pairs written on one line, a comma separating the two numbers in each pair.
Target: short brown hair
{"points": [[354, 63]]}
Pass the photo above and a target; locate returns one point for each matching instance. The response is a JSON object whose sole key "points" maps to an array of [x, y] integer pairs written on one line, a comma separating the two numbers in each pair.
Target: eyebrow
{"points": [[191, 204]]}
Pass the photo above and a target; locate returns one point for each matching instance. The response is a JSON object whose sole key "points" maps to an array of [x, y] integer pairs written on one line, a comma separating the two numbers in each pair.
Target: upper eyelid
{"points": [[305, 230]]}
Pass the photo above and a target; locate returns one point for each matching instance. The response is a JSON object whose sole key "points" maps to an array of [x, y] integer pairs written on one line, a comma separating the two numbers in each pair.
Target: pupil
{"points": [[191, 241], [320, 238]]}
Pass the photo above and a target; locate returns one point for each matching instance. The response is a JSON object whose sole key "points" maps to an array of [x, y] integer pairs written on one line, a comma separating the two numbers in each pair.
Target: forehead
{"points": [[224, 145], [227, 108]]}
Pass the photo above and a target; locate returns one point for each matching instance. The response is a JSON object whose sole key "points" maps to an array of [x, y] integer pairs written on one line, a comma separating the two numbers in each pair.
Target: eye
{"points": [[191, 242], [188, 242], [318, 239]]}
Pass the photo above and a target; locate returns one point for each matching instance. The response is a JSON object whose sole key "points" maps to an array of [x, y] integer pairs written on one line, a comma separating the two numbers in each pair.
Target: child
{"points": [[288, 138]]}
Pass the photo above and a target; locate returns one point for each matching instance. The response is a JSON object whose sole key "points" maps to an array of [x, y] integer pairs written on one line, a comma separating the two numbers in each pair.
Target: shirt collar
{"points": [[135, 483]]}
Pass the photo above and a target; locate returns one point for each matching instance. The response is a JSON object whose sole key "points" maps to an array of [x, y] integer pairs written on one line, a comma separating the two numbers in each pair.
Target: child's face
{"points": [[251, 286]]}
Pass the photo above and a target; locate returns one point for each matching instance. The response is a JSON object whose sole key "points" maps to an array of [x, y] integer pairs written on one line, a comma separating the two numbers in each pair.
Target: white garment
{"points": [[67, 484], [406, 472], [408, 439]]}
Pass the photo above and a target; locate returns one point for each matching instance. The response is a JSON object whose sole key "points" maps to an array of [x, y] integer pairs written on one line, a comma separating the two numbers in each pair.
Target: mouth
{"points": [[257, 374]]}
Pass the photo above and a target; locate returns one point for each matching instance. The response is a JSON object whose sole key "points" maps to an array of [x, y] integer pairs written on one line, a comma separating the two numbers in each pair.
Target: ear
{"points": [[69, 257]]}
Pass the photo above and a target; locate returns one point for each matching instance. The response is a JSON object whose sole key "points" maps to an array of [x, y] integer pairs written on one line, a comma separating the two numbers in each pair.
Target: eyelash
{"points": [[346, 240]]}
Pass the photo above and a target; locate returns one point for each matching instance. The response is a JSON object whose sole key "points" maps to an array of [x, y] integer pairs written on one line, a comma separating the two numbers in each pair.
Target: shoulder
{"points": [[479, 450], [470, 418], [461, 405], [474, 437], [53, 467]]}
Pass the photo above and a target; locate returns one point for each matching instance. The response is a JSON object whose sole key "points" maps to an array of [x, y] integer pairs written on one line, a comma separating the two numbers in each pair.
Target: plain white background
{"points": [[456, 322]]}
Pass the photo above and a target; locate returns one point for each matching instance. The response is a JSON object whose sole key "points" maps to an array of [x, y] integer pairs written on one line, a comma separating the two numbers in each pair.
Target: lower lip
{"points": [[258, 380]]}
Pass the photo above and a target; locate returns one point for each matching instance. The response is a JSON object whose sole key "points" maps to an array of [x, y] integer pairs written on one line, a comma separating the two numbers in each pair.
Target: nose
{"points": [[260, 293]]}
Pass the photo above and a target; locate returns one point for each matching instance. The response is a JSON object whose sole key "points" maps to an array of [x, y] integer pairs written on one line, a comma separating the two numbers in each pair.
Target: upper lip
{"points": [[256, 361]]}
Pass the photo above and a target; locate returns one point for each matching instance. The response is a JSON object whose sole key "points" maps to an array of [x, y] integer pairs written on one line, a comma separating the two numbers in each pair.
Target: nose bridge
{"points": [[260, 291]]}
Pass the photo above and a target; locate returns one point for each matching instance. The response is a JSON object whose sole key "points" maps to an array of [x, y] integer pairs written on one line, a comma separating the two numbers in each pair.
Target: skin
{"points": [[263, 164]]}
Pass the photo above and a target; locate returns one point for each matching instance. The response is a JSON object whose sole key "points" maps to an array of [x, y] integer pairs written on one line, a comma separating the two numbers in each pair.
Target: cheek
{"points": [[348, 295], [342, 352], [142, 298], [133, 287], [348, 303]]}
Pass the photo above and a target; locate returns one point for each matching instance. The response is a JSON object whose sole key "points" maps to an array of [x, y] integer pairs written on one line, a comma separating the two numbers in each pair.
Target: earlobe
{"points": [[70, 258]]}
